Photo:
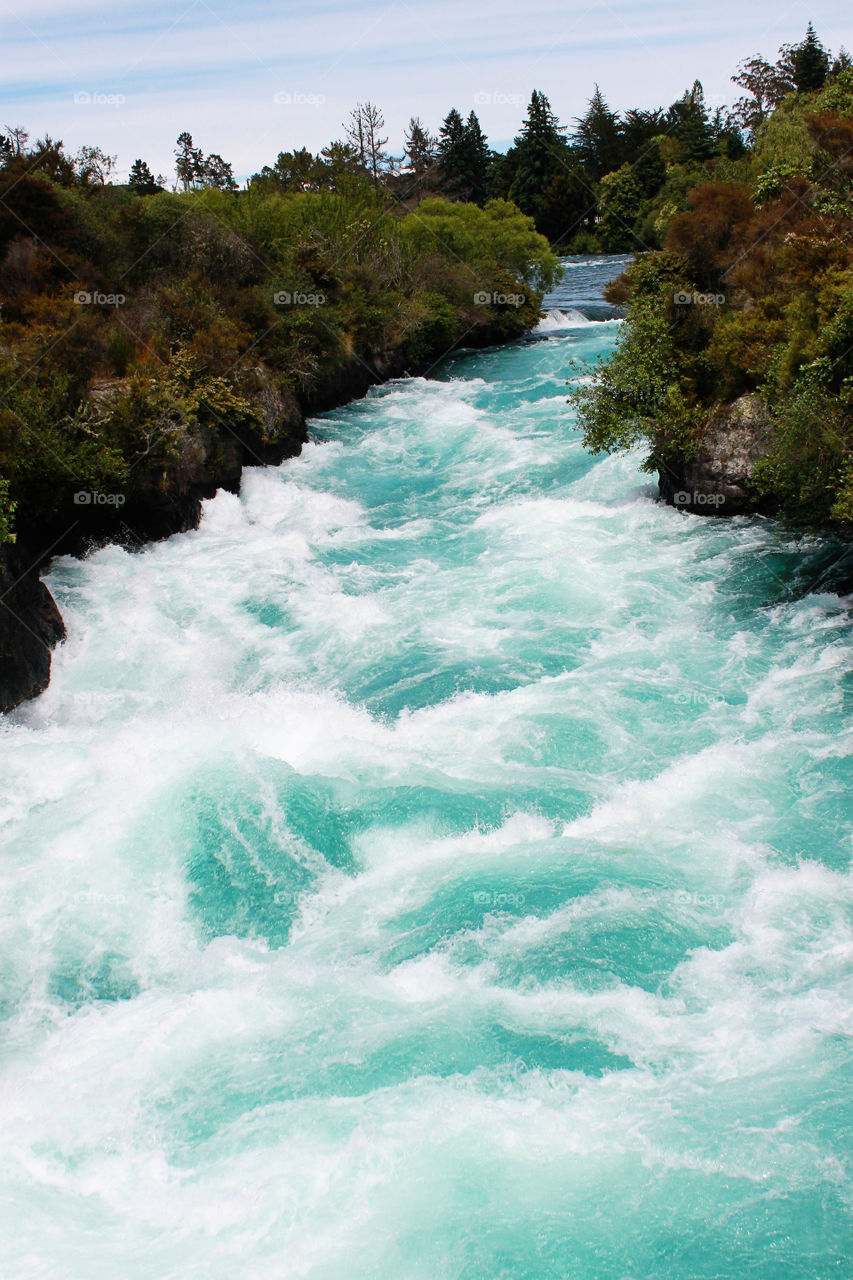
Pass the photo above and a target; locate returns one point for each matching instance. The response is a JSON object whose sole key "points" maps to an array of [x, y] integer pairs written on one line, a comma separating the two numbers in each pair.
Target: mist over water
{"points": [[436, 867]]}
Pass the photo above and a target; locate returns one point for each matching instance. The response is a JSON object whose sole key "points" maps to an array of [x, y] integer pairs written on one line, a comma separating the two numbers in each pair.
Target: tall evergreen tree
{"points": [[420, 147], [598, 137], [479, 159], [541, 152], [809, 63], [688, 121], [452, 156]]}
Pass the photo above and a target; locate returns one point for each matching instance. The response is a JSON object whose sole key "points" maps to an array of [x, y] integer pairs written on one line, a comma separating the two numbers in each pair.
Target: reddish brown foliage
{"points": [[703, 235]]}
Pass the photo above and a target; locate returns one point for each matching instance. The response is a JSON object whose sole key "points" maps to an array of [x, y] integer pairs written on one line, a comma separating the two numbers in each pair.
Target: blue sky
{"points": [[249, 80]]}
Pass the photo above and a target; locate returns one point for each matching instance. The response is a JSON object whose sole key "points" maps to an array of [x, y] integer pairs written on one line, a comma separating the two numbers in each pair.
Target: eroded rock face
{"points": [[30, 626], [716, 481]]}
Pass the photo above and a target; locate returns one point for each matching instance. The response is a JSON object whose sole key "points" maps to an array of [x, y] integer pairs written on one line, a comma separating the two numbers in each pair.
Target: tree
{"points": [[688, 121], [50, 156], [727, 135], [598, 137], [567, 205], [766, 85], [843, 62], [293, 170], [541, 152], [638, 128], [217, 173], [195, 170], [620, 204], [141, 179], [452, 158], [809, 63], [479, 159], [365, 124], [339, 161], [93, 166], [464, 158], [420, 147], [189, 163], [649, 168], [13, 140]]}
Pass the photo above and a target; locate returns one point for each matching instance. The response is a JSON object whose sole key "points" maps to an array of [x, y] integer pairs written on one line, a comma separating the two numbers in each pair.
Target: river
{"points": [[436, 867]]}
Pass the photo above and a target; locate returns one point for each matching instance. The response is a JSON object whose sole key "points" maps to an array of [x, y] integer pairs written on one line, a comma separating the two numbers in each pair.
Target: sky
{"points": [[250, 79]]}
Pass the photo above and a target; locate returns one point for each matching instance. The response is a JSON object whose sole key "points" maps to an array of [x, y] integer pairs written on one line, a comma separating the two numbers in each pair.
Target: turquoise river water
{"points": [[436, 867]]}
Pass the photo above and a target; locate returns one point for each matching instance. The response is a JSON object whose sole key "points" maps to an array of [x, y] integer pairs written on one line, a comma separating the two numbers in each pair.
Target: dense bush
{"points": [[774, 252], [131, 321]]}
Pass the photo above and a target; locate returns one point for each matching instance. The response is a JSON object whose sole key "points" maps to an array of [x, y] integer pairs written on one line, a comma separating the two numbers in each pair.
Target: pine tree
{"points": [[189, 164], [420, 147], [598, 137], [479, 160], [809, 63], [216, 172], [688, 121], [452, 158], [141, 179], [843, 62], [541, 152]]}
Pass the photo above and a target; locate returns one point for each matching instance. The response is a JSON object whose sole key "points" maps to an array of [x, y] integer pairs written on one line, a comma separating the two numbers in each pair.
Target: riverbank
{"points": [[152, 346], [161, 505]]}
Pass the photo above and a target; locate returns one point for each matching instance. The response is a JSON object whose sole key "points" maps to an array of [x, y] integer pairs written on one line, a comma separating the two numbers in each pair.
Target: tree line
{"points": [[608, 181]]}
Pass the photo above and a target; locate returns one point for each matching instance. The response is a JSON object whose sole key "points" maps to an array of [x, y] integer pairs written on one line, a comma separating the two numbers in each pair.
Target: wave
{"points": [[556, 321]]}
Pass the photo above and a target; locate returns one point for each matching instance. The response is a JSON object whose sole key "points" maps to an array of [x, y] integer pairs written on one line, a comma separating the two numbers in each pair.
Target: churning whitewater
{"points": [[436, 867]]}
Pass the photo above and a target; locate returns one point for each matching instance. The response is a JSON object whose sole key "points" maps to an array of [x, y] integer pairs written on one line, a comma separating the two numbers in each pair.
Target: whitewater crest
{"points": [[556, 321]]}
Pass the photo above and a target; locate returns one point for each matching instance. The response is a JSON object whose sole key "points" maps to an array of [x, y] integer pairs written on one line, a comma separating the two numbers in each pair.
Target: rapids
{"points": [[436, 867]]}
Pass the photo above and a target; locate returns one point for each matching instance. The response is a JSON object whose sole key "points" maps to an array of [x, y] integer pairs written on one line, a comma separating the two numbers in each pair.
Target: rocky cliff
{"points": [[715, 481]]}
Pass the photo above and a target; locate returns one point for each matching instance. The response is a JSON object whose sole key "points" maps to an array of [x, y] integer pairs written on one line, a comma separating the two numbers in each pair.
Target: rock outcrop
{"points": [[716, 480], [30, 626]]}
